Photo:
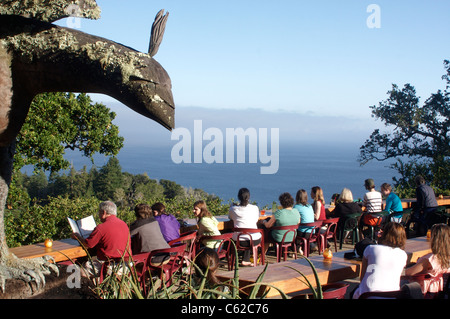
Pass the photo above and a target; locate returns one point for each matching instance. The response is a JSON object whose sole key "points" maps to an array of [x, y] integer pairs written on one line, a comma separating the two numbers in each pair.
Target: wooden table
{"points": [[409, 202], [329, 271], [282, 276], [61, 250], [417, 247]]}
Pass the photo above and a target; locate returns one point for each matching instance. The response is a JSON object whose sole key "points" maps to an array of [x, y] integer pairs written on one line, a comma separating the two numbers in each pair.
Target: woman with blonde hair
{"points": [[435, 263], [345, 207]]}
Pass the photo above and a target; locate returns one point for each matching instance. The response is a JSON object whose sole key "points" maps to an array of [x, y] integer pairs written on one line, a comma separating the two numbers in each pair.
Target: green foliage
{"points": [[109, 179], [29, 223], [37, 207], [419, 137], [60, 121]]}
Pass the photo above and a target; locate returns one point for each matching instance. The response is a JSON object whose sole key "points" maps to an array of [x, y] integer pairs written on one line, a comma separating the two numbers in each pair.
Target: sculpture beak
{"points": [[149, 92]]}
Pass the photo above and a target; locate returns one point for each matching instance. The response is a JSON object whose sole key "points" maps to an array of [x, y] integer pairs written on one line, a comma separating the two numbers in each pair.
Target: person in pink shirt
{"points": [[435, 263]]}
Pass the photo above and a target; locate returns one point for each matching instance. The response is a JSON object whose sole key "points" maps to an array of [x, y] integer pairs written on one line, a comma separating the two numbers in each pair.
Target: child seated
{"points": [[435, 263]]}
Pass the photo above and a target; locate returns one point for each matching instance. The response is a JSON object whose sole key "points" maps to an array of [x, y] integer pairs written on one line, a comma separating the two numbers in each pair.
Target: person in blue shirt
{"points": [[306, 211], [306, 216], [393, 202]]}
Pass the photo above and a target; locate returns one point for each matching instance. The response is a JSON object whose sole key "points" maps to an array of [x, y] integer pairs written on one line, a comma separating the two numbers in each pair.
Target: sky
{"points": [[322, 63]]}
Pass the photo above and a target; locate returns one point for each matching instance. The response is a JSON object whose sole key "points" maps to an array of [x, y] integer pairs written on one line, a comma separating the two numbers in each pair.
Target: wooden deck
{"points": [[286, 276]]}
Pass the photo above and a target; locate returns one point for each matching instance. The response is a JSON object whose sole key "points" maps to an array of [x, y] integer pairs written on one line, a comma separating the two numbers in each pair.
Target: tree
{"points": [[171, 188], [419, 138], [60, 121], [109, 179]]}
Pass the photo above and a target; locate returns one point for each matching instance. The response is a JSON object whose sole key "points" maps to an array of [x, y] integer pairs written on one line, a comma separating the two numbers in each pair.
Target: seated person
{"points": [[207, 261], [318, 203], [305, 210], [393, 202], [382, 264], [146, 235], [424, 207], [170, 227], [435, 263], [306, 216], [245, 215], [283, 217], [207, 224], [345, 206], [373, 202], [111, 238]]}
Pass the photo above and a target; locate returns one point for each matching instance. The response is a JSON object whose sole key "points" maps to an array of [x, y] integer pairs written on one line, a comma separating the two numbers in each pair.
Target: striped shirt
{"points": [[373, 202]]}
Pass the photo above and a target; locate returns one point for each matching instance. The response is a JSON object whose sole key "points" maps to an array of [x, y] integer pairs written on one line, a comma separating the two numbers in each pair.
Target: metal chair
{"points": [[224, 247], [283, 246], [189, 238], [330, 233], [329, 291], [421, 279], [252, 247], [310, 237], [350, 224], [167, 267]]}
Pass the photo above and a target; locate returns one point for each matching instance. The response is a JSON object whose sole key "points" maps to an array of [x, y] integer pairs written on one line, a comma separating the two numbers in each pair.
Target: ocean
{"points": [[332, 167]]}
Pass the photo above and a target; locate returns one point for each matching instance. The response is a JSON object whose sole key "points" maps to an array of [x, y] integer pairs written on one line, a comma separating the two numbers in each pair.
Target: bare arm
{"points": [[421, 267], [317, 208], [270, 223], [363, 268]]}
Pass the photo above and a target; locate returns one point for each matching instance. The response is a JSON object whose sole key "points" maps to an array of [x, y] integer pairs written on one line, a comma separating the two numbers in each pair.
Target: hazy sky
{"points": [[317, 58]]}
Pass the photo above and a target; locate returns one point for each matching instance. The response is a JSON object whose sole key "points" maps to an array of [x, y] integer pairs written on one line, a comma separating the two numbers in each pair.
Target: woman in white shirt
{"points": [[245, 215], [382, 264]]}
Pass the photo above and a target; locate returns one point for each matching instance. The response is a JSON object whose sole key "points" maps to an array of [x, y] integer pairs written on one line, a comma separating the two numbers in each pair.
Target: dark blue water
{"points": [[331, 167]]}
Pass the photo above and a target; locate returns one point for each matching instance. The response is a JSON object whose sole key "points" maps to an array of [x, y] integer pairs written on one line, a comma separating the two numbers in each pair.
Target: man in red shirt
{"points": [[111, 238]]}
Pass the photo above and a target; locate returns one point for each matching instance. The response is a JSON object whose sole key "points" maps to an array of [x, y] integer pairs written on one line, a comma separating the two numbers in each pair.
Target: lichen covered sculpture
{"points": [[37, 56]]}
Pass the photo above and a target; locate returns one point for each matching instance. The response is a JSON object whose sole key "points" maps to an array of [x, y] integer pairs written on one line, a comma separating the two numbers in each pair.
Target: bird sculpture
{"points": [[38, 56]]}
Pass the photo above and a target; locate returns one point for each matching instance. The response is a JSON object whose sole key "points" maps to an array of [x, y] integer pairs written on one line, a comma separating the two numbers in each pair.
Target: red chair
{"points": [[422, 278], [174, 261], [330, 233], [253, 247], [136, 263], [189, 238], [224, 248], [110, 267], [329, 291], [283, 246], [395, 294], [311, 237]]}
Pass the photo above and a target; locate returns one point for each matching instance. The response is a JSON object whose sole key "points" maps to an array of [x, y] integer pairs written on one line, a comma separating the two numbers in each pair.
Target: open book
{"points": [[84, 226]]}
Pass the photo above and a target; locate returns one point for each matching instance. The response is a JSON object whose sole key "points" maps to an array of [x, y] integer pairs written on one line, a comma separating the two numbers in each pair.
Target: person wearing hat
{"points": [[372, 199], [372, 202]]}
